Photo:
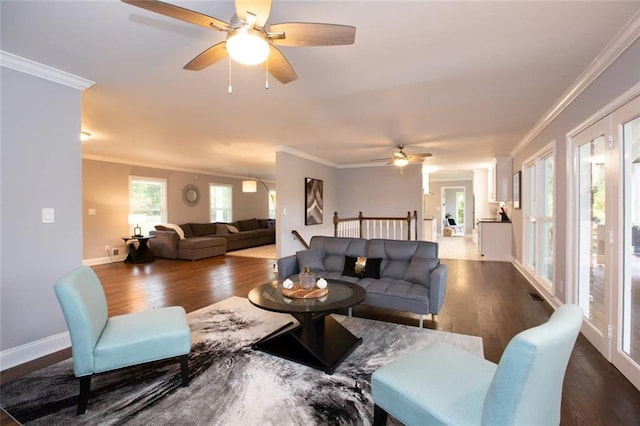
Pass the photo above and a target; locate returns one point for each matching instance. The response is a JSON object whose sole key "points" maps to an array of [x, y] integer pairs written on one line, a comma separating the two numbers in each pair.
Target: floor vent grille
{"points": [[536, 296]]}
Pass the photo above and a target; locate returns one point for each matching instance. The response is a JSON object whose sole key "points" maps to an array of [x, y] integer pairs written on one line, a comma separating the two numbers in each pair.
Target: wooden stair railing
{"points": [[376, 227], [300, 238]]}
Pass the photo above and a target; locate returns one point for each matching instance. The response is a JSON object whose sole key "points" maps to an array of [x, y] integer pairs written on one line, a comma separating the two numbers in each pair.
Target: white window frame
{"points": [[212, 210], [536, 160], [272, 203], [148, 225]]}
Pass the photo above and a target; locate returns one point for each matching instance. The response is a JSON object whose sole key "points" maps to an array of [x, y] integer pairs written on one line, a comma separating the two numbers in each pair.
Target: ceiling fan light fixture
{"points": [[247, 46], [400, 162]]}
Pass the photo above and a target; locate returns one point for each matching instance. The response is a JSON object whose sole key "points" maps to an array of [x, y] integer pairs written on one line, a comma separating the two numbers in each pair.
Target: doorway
{"points": [[453, 208]]}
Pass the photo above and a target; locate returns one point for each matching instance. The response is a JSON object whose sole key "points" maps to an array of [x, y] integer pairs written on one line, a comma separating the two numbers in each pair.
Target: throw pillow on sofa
{"points": [[311, 258], [362, 267], [419, 270], [349, 269], [372, 268], [232, 229]]}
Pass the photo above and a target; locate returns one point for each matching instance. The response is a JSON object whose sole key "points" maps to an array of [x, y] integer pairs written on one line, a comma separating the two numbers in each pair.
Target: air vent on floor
{"points": [[536, 296]]}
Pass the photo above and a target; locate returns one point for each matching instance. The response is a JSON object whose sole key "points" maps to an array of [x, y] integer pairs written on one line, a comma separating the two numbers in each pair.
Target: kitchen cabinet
{"points": [[494, 240], [499, 180], [430, 229]]}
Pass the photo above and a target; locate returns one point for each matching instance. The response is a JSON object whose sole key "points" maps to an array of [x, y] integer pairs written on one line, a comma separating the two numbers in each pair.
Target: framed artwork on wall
{"points": [[313, 201], [516, 189]]}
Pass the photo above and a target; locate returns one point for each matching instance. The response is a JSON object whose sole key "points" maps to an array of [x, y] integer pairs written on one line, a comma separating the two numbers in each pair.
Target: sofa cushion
{"points": [[232, 229], [419, 270], [188, 232], [312, 258], [334, 250], [248, 224], [221, 229], [396, 256], [201, 229]]}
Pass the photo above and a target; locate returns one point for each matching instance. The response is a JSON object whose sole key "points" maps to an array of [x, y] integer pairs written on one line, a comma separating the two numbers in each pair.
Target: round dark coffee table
{"points": [[319, 341]]}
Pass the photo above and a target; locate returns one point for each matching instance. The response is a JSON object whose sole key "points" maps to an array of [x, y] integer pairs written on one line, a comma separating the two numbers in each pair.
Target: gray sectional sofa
{"points": [[203, 240], [401, 275]]}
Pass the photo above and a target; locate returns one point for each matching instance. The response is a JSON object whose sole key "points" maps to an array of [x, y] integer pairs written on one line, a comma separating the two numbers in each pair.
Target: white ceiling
{"points": [[463, 80]]}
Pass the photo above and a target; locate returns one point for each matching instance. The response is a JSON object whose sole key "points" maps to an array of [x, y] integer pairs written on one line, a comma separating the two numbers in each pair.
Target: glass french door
{"points": [[593, 227], [626, 351], [606, 185]]}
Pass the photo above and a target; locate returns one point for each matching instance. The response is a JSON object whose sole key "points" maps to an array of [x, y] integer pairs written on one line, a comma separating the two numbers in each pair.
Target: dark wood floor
{"points": [[487, 299]]}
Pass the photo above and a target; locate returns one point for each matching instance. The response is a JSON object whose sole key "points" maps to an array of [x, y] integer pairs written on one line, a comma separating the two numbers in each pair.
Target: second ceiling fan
{"points": [[401, 158], [250, 40]]}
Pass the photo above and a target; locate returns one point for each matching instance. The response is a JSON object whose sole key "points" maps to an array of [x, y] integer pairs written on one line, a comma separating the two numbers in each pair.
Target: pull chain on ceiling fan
{"points": [[250, 40]]}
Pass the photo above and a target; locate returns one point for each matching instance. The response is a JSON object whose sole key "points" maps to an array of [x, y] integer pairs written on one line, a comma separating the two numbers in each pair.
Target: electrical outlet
{"points": [[115, 252], [107, 249]]}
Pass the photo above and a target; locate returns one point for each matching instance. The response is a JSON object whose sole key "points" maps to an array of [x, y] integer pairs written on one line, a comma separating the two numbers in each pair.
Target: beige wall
{"points": [[106, 190]]}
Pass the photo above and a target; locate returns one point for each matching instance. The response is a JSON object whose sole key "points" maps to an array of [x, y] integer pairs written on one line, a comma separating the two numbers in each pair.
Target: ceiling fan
{"points": [[250, 40], [401, 158]]}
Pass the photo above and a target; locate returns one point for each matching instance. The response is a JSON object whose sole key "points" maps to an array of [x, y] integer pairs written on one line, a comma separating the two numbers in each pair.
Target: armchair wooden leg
{"points": [[379, 416], [184, 369], [83, 398]]}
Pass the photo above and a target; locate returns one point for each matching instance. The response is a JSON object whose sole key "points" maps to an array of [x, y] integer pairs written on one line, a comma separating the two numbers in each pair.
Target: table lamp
{"points": [[137, 219]]}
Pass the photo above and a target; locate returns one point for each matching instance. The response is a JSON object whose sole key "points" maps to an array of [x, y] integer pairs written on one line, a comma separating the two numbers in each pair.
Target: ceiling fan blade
{"points": [[312, 34], [208, 57], [423, 155], [381, 159], [279, 67], [260, 8], [180, 13]]}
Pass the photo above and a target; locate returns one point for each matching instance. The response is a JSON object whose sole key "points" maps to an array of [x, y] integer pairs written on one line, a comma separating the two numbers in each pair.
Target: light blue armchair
{"points": [[444, 385], [100, 344]]}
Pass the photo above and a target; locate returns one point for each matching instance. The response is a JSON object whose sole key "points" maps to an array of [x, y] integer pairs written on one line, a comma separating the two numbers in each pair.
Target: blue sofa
{"points": [[398, 274]]}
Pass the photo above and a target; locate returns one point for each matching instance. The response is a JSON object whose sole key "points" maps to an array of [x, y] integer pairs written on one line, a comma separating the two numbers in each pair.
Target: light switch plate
{"points": [[92, 212], [48, 215]]}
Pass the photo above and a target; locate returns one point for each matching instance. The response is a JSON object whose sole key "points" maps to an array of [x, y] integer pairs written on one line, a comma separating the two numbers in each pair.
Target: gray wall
{"points": [[106, 190], [618, 78], [41, 167], [381, 191], [376, 191], [291, 172]]}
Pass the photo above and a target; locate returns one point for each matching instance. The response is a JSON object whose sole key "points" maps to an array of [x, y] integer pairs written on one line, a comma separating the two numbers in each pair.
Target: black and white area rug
{"points": [[231, 384]]}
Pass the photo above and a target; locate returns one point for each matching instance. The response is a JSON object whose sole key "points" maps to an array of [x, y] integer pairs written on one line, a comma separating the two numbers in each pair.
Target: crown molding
{"points": [[616, 47], [300, 154], [164, 167], [27, 66]]}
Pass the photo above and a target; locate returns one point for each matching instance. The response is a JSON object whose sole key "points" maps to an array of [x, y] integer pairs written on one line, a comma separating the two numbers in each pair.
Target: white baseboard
{"points": [[103, 260], [34, 350], [550, 298]]}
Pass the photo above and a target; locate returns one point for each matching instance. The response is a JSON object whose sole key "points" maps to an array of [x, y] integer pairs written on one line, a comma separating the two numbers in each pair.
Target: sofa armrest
{"points": [[438, 288], [165, 244], [287, 266]]}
